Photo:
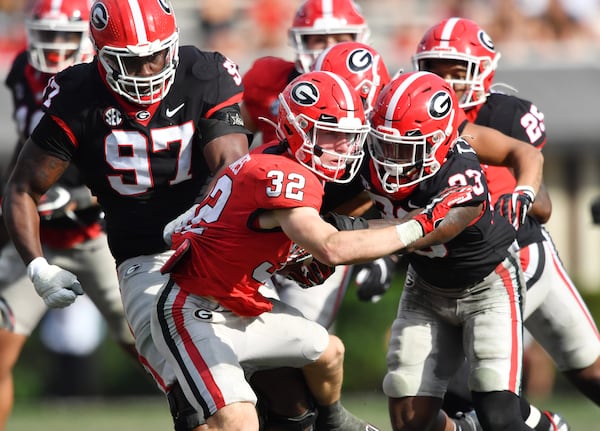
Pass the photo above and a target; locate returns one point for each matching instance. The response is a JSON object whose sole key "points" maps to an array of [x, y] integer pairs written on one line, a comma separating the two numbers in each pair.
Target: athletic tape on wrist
{"points": [[409, 232]]}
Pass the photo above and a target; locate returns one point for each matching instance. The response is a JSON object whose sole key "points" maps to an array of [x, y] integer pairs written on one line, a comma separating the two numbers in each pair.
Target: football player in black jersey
{"points": [[462, 296], [146, 123], [461, 52], [71, 228]]}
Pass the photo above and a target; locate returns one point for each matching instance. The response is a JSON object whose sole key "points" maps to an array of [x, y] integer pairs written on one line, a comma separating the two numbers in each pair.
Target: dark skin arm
{"points": [[34, 173], [496, 148], [457, 219]]}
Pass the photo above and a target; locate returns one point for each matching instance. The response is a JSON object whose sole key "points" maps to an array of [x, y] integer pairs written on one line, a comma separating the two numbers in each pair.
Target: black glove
{"points": [[374, 278], [514, 206], [344, 222], [596, 210]]}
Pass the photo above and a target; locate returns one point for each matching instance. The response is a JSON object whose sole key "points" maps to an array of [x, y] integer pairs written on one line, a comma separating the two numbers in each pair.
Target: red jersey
{"points": [[230, 255], [267, 77]]}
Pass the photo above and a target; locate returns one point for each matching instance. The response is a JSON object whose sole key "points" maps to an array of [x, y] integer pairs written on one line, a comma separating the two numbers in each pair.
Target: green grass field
{"points": [[151, 414]]}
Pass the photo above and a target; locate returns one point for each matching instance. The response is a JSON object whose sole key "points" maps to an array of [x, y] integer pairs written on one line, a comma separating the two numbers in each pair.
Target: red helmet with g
{"points": [[413, 126], [322, 119], [58, 34], [358, 63], [130, 34], [462, 40], [324, 17]]}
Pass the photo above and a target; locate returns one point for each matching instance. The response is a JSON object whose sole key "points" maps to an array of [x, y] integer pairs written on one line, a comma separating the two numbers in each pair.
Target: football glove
{"points": [[596, 211], [306, 271], [438, 207], [54, 203], [374, 278], [514, 206], [176, 225], [344, 222], [57, 287]]}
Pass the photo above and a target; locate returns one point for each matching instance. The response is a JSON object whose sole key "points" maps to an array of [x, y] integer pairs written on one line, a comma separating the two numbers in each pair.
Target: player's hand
{"points": [[302, 268], [514, 206], [177, 225], [374, 278], [57, 287], [438, 207], [596, 211]]}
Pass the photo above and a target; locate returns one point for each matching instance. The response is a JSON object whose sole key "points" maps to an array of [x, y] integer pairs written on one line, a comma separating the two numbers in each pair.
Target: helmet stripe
{"points": [[389, 114], [447, 32], [327, 8], [55, 5], [138, 19]]}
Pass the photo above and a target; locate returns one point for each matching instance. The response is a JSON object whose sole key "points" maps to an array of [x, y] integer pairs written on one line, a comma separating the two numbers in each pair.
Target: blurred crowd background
{"points": [[550, 54]]}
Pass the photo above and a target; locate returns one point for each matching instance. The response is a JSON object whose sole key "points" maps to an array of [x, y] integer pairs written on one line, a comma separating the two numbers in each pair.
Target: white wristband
{"points": [[409, 232], [35, 266]]}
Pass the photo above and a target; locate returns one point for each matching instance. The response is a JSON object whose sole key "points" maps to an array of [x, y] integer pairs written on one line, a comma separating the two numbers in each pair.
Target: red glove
{"points": [[302, 268], [438, 207]]}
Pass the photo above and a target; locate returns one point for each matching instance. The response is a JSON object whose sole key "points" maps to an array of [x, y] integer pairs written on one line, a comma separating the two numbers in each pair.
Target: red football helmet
{"points": [[57, 34], [324, 17], [124, 33], [413, 125], [463, 40], [319, 115], [360, 64]]}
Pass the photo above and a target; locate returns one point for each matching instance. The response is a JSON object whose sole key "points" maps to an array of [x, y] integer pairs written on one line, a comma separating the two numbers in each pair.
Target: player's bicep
{"points": [[305, 227], [36, 170]]}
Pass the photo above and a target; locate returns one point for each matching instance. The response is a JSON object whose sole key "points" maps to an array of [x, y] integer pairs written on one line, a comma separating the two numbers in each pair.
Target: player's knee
{"points": [[498, 411], [334, 353]]}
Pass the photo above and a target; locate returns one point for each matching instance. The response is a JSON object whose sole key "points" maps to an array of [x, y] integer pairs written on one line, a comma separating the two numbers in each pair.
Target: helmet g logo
{"points": [[486, 40], [440, 105], [166, 5], [99, 16], [305, 93], [360, 60]]}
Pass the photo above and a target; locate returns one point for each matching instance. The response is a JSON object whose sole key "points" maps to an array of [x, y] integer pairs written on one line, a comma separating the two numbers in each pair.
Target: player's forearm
{"points": [[22, 222]]}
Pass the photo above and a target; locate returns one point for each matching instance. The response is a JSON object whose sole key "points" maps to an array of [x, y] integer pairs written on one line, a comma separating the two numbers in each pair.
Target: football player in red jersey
{"points": [[267, 202], [147, 122], [462, 294], [71, 230], [461, 52]]}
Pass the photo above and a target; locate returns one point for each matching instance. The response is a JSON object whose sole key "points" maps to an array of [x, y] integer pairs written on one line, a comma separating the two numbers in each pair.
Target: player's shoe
{"points": [[467, 421], [557, 422], [336, 418]]}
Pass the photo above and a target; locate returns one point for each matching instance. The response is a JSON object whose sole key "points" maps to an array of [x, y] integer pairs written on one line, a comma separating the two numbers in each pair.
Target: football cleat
{"points": [[557, 422]]}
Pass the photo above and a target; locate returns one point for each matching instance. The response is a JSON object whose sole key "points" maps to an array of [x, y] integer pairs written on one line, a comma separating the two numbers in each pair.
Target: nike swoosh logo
{"points": [[412, 206], [170, 112]]}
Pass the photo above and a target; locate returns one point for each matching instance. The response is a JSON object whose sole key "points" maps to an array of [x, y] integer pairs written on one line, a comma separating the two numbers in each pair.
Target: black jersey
{"points": [[478, 249], [145, 166], [521, 120]]}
